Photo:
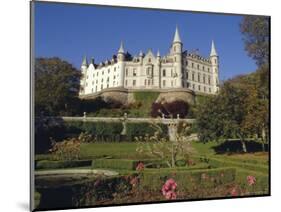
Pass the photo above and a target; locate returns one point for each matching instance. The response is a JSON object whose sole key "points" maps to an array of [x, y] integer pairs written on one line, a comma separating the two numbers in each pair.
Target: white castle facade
{"points": [[177, 69]]}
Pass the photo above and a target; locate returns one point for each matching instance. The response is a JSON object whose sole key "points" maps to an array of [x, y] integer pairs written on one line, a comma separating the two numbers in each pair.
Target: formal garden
{"points": [[94, 165]]}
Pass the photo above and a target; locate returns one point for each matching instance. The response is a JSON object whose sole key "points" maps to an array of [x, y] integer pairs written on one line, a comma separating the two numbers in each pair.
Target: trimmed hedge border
{"points": [[47, 164], [186, 179], [227, 163], [121, 163]]}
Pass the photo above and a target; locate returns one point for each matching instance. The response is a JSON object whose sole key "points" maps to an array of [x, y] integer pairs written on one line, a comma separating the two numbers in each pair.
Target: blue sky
{"points": [[71, 31]]}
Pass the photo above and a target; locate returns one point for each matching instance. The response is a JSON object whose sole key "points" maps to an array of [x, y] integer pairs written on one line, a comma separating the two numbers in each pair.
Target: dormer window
{"points": [[149, 60]]}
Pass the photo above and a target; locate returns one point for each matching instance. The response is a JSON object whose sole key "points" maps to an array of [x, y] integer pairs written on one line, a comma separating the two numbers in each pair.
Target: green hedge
{"points": [[47, 164], [97, 128], [228, 163], [187, 180], [141, 129], [120, 163]]}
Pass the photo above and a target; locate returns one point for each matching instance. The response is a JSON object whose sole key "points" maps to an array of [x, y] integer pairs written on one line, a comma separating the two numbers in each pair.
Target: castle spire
{"points": [[177, 36], [121, 49], [84, 62], [213, 50], [158, 53]]}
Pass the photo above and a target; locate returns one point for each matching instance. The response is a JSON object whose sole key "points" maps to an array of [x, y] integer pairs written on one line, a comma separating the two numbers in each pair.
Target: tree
{"points": [[56, 86], [255, 30], [222, 116]]}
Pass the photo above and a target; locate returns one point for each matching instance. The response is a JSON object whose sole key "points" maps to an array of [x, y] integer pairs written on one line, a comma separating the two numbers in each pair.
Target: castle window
{"points": [[126, 72], [102, 72], [97, 73], [186, 75], [193, 87], [175, 59], [87, 77], [107, 79], [171, 72], [175, 48], [164, 73], [134, 82], [96, 88], [108, 70], [93, 75], [203, 68], [204, 78], [192, 65], [204, 89], [210, 90], [198, 77], [107, 86], [186, 63], [198, 66], [97, 81], [93, 83], [126, 82], [192, 76], [145, 82], [164, 83], [216, 70], [86, 84], [149, 60], [101, 80], [148, 71], [114, 77], [101, 87], [172, 83], [215, 61], [152, 82], [134, 72], [208, 69], [199, 88], [209, 80], [148, 82], [114, 68]]}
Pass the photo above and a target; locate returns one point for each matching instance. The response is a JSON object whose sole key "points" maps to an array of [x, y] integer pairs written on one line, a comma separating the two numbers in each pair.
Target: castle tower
{"points": [[121, 62], [176, 51], [158, 58], [84, 67], [215, 67]]}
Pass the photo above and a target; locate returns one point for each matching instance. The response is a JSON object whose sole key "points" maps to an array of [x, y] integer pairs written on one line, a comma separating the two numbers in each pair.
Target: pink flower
{"points": [[170, 195], [134, 181], [251, 180], [234, 192], [140, 166], [168, 189]]}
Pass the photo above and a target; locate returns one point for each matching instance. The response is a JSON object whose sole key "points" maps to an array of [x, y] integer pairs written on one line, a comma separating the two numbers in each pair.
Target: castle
{"points": [[178, 70]]}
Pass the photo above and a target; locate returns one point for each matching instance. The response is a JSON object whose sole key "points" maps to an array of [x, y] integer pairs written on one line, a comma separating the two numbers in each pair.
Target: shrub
{"points": [[101, 130], [141, 129], [46, 164], [187, 180], [68, 149], [45, 129]]}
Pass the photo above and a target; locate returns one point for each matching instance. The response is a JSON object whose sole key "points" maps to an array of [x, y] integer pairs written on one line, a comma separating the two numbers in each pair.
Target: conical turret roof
{"points": [[213, 49], [177, 36]]}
